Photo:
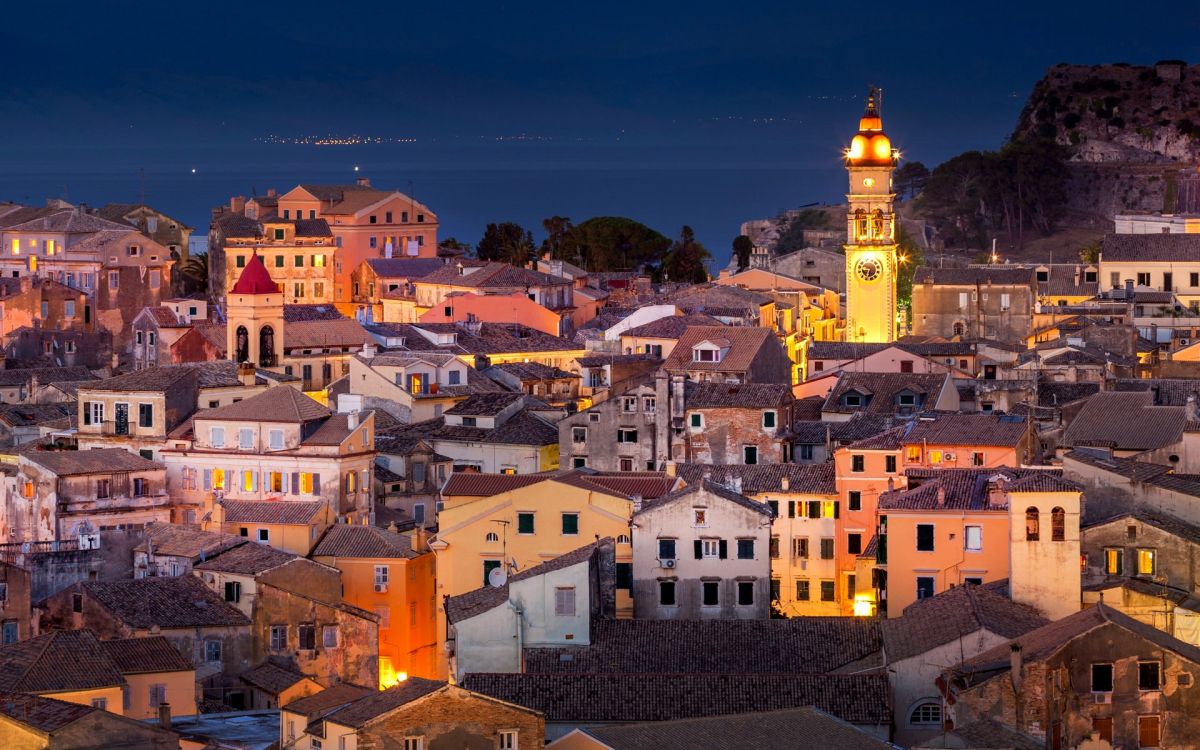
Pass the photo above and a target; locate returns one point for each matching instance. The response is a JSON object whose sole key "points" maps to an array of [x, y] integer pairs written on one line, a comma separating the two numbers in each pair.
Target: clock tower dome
{"points": [[871, 262]]}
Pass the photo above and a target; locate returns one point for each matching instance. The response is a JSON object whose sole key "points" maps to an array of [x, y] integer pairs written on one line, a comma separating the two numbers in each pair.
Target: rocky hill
{"points": [[1118, 113]]}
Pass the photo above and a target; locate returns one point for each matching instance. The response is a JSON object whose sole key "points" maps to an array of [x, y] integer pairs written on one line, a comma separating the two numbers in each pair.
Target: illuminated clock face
{"points": [[868, 182], [868, 269]]}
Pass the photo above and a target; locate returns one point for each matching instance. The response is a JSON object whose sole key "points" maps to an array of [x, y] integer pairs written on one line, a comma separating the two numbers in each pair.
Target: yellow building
{"points": [[871, 253], [392, 575], [31, 722], [299, 252], [513, 522]]}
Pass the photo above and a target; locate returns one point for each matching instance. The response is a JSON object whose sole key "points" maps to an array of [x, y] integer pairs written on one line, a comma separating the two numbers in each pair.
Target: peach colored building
{"points": [[366, 223], [947, 441], [460, 307], [947, 528]]}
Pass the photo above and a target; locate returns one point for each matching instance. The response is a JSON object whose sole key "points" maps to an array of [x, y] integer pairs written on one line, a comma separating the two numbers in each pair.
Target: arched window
{"points": [[493, 536], [266, 346], [1058, 525], [623, 539], [242, 345], [1031, 524], [926, 713], [877, 224], [861, 224], [959, 329]]}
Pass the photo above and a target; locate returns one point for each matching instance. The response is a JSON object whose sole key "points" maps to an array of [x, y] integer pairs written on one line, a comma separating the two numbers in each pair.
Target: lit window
{"points": [[1145, 562], [318, 261]]}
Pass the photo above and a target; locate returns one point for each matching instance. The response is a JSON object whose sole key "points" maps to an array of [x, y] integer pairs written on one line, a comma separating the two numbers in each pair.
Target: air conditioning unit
{"points": [[668, 563], [948, 457], [381, 588], [1103, 697]]}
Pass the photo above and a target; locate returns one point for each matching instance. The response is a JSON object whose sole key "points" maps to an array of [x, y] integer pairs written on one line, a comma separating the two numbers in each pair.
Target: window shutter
{"points": [[283, 483], [208, 479], [1120, 562], [814, 509], [724, 549], [836, 505], [295, 483], [699, 549], [253, 481], [87, 412], [791, 508], [316, 488]]}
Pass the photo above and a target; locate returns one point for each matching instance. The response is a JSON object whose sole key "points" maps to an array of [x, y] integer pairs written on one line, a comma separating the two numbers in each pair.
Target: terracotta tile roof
{"points": [[648, 484], [967, 429], [954, 489], [502, 338], [859, 427], [485, 404], [1043, 483], [320, 334], [1126, 421], [972, 275], [276, 404], [27, 415], [600, 360], [817, 479], [1167, 391], [745, 343], [738, 396], [466, 606], [1042, 643], [1138, 471], [297, 512], [308, 313], [169, 603], [1186, 484], [346, 540], [66, 463], [984, 734], [887, 440], [164, 317], [145, 655], [805, 727], [1058, 394], [473, 484], [881, 390], [522, 428], [369, 707], [46, 715], [404, 268], [533, 371], [23, 376], [184, 541], [670, 327], [1163, 521], [251, 558], [66, 219], [960, 611], [798, 645], [335, 696], [335, 430], [156, 379], [609, 697], [56, 662], [490, 276], [711, 488], [272, 678], [1150, 247], [848, 350]]}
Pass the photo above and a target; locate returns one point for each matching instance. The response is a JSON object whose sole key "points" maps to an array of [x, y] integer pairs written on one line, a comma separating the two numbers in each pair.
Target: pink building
{"points": [[366, 223], [495, 308]]}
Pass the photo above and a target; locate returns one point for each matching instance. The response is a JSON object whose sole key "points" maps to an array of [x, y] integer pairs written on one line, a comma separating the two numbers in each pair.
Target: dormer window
{"points": [[852, 399], [1043, 275], [706, 354], [133, 250], [906, 399]]}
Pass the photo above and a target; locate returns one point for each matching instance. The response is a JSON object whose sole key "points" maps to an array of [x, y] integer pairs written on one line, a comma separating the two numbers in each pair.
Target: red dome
{"points": [[255, 279]]}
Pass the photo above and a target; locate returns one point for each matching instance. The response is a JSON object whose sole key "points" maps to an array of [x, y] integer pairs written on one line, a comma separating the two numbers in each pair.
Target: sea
{"points": [[711, 187]]}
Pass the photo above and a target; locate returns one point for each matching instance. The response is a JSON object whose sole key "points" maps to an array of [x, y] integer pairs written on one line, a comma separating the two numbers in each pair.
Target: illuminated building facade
{"points": [[871, 253]]}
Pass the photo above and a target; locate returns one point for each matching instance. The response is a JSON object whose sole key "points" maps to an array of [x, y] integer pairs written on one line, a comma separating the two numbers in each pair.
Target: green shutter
{"points": [[699, 549], [570, 523], [724, 549], [524, 523], [791, 508]]}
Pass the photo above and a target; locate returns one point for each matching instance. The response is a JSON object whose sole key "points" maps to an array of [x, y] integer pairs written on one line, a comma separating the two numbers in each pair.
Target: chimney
{"points": [[364, 182], [941, 496], [164, 715], [352, 420], [1078, 273], [637, 503], [1015, 666], [1191, 407], [995, 493], [237, 205], [891, 485], [785, 484], [368, 350], [670, 467], [247, 375], [270, 192], [420, 541]]}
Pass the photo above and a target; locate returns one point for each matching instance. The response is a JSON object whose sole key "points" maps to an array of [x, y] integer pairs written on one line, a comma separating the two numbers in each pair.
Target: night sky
{"points": [[668, 83]]}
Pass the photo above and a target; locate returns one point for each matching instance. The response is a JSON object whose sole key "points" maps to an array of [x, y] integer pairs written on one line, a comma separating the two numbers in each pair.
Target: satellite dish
{"points": [[497, 578]]}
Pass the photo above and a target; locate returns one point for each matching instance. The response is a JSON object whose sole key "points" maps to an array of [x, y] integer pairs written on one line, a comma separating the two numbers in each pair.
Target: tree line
{"points": [[602, 243]]}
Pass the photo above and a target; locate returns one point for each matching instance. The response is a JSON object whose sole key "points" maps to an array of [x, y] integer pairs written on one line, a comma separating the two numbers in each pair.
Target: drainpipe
{"points": [[520, 634]]}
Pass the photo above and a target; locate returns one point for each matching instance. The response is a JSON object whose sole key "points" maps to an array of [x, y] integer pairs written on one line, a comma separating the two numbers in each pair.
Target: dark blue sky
{"points": [[700, 113], [954, 73]]}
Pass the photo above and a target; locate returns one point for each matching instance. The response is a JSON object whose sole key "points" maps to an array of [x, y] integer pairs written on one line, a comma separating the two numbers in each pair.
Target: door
{"points": [[1102, 726], [121, 419]]}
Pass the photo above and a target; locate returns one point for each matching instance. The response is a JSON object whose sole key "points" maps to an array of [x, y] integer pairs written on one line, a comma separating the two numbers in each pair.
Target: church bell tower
{"points": [[871, 257]]}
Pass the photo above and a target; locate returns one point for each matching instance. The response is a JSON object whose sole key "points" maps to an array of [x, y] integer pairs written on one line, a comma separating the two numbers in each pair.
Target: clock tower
{"points": [[871, 261]]}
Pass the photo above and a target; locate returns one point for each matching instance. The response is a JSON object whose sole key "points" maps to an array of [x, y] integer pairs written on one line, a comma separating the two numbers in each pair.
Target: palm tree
{"points": [[193, 274]]}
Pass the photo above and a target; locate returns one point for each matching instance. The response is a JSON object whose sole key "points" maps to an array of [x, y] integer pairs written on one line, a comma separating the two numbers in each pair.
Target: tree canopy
{"points": [[1021, 187], [791, 237], [685, 261], [605, 243], [506, 242], [910, 178], [743, 246]]}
